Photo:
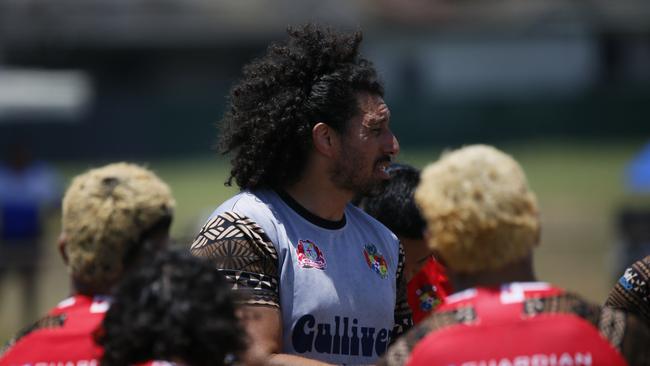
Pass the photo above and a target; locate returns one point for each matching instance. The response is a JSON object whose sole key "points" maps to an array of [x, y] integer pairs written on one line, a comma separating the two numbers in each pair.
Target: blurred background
{"points": [[564, 86]]}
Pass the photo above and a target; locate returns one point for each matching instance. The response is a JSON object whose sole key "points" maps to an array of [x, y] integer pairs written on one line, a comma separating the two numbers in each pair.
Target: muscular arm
{"points": [[241, 250], [264, 328]]}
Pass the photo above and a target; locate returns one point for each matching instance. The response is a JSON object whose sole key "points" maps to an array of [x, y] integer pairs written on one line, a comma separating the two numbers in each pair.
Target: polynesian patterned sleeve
{"points": [[403, 316], [242, 251], [632, 291]]}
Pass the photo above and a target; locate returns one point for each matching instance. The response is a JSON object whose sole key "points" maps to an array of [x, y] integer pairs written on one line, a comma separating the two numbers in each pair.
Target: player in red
{"points": [[395, 208], [483, 222], [113, 217]]}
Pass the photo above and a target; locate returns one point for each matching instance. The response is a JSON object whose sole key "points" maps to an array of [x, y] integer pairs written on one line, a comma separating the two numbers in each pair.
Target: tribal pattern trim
{"points": [[242, 251], [564, 303], [403, 316], [400, 351], [631, 293], [47, 322]]}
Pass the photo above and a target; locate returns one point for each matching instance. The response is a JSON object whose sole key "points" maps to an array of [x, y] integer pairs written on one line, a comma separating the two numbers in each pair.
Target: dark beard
{"points": [[344, 175], [376, 189]]}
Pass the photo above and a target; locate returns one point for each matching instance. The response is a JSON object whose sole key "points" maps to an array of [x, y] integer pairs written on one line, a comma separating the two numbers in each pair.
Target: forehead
{"points": [[372, 109]]}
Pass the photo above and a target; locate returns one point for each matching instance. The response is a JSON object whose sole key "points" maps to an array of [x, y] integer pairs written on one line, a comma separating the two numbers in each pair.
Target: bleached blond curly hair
{"points": [[105, 213], [479, 209]]}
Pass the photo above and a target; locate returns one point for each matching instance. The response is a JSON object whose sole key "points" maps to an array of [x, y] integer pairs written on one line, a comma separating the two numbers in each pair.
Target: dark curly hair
{"points": [[177, 307], [313, 77], [395, 207]]}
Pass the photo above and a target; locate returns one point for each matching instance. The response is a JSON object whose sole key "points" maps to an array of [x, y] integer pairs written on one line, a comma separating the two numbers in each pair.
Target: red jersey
{"points": [[517, 324], [63, 337], [427, 289]]}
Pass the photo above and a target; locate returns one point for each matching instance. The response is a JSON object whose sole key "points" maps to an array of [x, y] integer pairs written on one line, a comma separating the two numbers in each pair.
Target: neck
{"points": [[316, 193], [79, 288], [520, 271]]}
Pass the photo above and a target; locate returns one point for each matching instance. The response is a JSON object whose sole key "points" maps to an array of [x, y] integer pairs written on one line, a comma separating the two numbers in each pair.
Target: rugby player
{"points": [[113, 218], [483, 221], [308, 130]]}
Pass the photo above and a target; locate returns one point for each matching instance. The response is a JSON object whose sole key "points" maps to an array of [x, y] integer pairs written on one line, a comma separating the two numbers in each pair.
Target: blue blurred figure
{"points": [[29, 190], [637, 173]]}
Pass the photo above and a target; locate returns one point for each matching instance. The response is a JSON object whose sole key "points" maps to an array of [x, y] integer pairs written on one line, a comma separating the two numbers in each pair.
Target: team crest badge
{"points": [[375, 260], [427, 297], [309, 256]]}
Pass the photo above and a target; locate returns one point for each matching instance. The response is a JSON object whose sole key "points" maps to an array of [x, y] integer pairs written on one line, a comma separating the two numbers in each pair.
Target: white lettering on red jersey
{"points": [[508, 326]]}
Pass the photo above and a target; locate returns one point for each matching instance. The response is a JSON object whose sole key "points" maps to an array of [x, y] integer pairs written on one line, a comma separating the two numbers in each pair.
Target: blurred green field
{"points": [[578, 185]]}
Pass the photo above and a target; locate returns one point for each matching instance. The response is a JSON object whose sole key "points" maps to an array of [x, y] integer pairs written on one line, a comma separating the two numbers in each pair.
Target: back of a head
{"points": [[314, 76], [479, 209], [394, 206], [108, 215], [176, 308]]}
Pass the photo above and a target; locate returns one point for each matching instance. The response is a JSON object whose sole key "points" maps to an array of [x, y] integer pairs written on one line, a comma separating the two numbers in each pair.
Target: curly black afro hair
{"points": [[313, 77], [177, 307], [395, 207]]}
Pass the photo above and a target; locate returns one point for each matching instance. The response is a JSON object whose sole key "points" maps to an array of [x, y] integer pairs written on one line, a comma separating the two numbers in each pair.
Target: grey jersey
{"points": [[337, 284]]}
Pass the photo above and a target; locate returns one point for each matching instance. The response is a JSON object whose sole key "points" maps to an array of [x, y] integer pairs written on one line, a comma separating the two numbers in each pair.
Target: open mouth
{"points": [[382, 166]]}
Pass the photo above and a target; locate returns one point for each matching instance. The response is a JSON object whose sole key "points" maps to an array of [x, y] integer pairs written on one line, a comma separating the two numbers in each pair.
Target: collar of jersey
{"points": [[316, 220]]}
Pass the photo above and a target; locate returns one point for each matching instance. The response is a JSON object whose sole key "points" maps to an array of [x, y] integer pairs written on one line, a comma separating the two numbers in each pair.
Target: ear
{"points": [[325, 139], [61, 243]]}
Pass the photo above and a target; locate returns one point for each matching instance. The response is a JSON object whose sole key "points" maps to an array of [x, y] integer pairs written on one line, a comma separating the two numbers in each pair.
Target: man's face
{"points": [[367, 147]]}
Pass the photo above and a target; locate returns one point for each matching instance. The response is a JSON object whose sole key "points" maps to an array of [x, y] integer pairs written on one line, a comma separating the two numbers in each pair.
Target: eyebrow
{"points": [[376, 122]]}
